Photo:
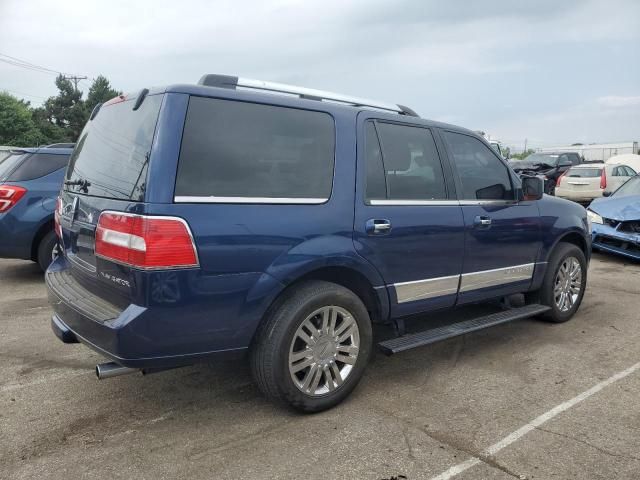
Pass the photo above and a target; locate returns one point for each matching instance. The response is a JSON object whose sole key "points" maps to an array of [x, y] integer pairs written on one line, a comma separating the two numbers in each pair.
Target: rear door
{"points": [[407, 221], [582, 182], [107, 171], [619, 175], [502, 235]]}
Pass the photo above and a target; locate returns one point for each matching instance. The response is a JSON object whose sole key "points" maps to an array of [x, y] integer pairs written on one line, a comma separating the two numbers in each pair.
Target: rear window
{"points": [[238, 151], [112, 155], [585, 172], [38, 165]]}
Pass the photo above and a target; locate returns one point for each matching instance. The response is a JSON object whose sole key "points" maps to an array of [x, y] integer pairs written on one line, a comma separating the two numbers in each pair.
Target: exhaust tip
{"points": [[112, 369]]}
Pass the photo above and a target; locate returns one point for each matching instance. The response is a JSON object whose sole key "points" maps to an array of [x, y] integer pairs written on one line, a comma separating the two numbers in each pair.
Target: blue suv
{"points": [[30, 180], [242, 218]]}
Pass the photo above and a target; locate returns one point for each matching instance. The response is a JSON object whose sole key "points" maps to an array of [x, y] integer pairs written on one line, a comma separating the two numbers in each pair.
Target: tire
{"points": [[46, 249], [286, 350], [567, 257]]}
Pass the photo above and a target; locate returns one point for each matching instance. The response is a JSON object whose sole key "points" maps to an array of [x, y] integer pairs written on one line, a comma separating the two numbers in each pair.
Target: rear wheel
{"points": [[47, 250], [313, 347], [564, 282]]}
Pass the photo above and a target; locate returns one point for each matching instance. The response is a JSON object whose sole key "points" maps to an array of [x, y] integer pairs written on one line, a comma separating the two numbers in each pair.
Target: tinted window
{"points": [[239, 149], [8, 163], [113, 151], [482, 174], [376, 186], [574, 158], [37, 166], [630, 171], [411, 162]]}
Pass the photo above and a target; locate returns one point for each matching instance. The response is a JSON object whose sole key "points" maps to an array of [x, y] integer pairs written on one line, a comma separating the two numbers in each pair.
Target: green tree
{"points": [[100, 92], [16, 124], [67, 110]]}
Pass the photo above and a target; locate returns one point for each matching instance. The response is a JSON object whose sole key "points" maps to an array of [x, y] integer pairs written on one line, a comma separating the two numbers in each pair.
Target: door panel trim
{"points": [[497, 276], [441, 286], [424, 289]]}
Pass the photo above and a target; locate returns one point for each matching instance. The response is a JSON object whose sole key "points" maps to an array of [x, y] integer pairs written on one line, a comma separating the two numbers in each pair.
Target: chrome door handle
{"points": [[482, 221], [378, 226]]}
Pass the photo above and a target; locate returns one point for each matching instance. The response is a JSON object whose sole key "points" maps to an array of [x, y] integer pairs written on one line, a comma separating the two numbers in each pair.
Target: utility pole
{"points": [[75, 79], [525, 145]]}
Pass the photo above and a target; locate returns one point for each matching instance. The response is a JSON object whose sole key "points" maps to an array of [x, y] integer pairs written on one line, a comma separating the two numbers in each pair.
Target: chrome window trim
{"points": [[497, 276], [415, 202], [262, 200], [425, 289], [442, 202]]}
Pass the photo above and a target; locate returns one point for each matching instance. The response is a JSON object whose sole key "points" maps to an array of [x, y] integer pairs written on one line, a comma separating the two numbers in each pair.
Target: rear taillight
{"points": [[603, 180], [146, 242], [56, 217], [9, 196], [560, 178]]}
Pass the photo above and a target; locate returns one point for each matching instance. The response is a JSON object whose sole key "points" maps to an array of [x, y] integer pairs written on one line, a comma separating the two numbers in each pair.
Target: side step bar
{"points": [[413, 340]]}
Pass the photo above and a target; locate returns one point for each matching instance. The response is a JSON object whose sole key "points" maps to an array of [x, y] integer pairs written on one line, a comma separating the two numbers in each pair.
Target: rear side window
{"points": [[574, 158], [411, 163], [38, 165], [239, 151], [112, 155], [482, 174], [9, 163], [584, 172]]}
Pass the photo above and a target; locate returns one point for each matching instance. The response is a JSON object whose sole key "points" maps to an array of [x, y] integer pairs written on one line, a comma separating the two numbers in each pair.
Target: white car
{"points": [[582, 183]]}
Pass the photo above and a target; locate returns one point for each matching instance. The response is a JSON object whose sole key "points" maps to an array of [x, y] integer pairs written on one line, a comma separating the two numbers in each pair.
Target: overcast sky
{"points": [[552, 71]]}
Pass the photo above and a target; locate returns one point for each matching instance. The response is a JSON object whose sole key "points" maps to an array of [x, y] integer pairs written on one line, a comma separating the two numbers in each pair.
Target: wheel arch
{"points": [[45, 227]]}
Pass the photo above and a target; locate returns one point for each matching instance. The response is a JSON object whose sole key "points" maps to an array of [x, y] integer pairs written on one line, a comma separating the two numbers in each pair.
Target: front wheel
{"points": [[564, 282], [313, 347]]}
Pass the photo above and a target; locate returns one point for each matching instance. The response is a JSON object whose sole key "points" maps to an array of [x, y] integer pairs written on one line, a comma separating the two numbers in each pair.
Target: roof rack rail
{"points": [[228, 81]]}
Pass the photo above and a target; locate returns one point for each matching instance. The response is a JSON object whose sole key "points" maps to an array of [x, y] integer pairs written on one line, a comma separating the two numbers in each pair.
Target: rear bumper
{"points": [[135, 337], [585, 196], [610, 240]]}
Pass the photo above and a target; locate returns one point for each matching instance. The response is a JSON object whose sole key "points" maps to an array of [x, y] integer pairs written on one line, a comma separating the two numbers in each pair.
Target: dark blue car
{"points": [[242, 218], [30, 180], [616, 221]]}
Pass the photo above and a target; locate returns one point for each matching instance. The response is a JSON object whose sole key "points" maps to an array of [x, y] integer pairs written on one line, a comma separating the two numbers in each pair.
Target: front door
{"points": [[502, 235], [406, 222]]}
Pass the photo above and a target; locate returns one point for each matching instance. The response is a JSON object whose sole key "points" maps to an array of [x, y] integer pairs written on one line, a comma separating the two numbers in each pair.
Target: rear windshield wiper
{"points": [[81, 183]]}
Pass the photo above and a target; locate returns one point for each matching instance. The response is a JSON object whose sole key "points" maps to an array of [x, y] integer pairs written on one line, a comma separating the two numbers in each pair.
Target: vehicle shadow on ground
{"points": [[22, 272]]}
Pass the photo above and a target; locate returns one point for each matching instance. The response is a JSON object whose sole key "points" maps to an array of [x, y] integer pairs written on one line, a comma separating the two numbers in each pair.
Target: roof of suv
{"points": [[290, 100]]}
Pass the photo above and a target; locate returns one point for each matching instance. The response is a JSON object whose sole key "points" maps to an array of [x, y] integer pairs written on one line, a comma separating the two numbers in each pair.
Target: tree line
{"points": [[60, 119]]}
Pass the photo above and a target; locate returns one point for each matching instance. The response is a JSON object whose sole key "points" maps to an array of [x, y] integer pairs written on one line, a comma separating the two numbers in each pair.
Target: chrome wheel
{"points": [[324, 350], [567, 284], [55, 251]]}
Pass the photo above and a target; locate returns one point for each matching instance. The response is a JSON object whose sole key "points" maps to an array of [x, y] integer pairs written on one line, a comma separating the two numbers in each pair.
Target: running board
{"points": [[413, 340]]}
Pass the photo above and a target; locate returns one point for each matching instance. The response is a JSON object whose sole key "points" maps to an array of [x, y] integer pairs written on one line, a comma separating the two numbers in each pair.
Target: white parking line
{"points": [[545, 417]]}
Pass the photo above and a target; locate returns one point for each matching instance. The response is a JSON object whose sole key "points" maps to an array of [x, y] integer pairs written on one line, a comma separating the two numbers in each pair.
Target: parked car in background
{"points": [[30, 180], [209, 220], [628, 159], [615, 220], [588, 181], [549, 166]]}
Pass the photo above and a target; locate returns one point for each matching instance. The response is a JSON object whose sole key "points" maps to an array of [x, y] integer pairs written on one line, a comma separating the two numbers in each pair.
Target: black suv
{"points": [[549, 165]]}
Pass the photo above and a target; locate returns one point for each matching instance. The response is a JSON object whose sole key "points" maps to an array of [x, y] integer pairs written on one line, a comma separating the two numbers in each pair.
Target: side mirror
{"points": [[606, 193], [532, 188]]}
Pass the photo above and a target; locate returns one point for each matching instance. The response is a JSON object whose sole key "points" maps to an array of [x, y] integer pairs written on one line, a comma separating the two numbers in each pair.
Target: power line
{"points": [[18, 62], [22, 93]]}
